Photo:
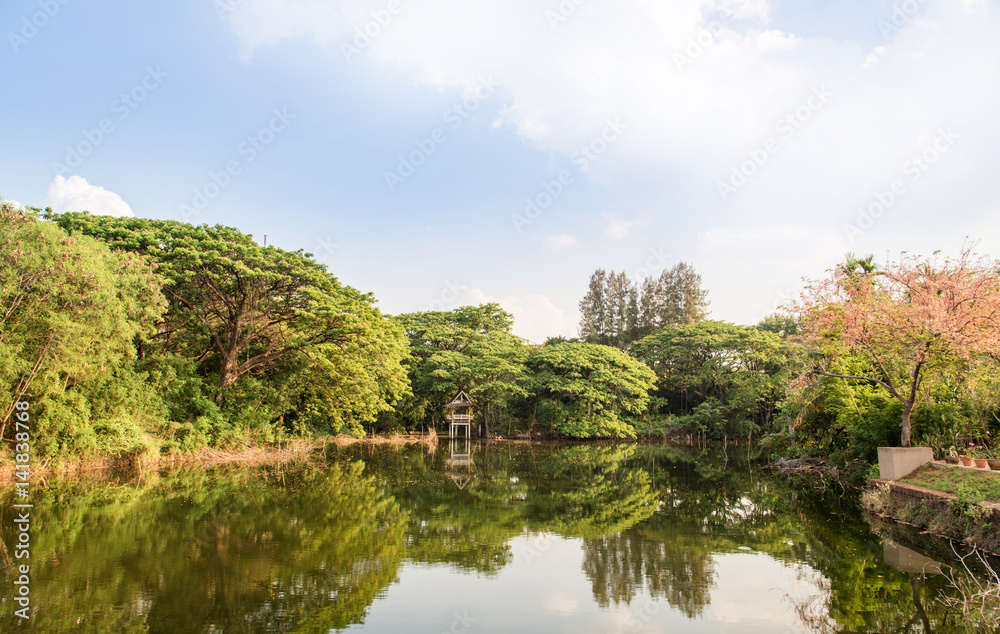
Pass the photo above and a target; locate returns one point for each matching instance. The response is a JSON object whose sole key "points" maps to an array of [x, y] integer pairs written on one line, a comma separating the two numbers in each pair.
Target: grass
{"points": [[984, 486]]}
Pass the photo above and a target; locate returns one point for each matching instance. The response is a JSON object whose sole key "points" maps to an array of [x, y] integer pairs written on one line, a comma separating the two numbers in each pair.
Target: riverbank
{"points": [[953, 503], [205, 456]]}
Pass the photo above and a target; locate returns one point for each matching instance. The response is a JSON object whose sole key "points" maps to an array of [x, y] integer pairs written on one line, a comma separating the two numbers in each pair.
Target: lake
{"points": [[464, 538]]}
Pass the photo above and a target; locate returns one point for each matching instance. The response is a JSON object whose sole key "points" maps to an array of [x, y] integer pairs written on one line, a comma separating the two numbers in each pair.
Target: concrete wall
{"points": [[897, 462]]}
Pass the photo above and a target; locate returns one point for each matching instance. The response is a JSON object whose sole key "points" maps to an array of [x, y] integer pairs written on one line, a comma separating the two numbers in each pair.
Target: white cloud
{"points": [[615, 227], [76, 194], [560, 242], [698, 96], [16, 204], [873, 57]]}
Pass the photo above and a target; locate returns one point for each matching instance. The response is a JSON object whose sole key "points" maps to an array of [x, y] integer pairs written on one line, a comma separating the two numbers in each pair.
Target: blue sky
{"points": [[740, 136]]}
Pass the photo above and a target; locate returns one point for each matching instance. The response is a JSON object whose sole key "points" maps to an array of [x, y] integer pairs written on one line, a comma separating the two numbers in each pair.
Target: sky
{"points": [[445, 153]]}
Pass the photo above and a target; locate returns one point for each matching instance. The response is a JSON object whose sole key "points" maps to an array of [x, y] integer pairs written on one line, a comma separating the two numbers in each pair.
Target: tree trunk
{"points": [[904, 440], [227, 376], [486, 423], [791, 428]]}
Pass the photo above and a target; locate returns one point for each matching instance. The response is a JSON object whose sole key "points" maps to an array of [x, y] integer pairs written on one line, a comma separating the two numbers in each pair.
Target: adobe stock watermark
{"points": [[913, 170], [563, 12], [707, 36], [224, 7], [453, 117], [639, 615], [123, 106], [903, 13], [656, 261], [249, 150], [787, 126], [32, 25], [447, 298], [534, 547], [365, 34], [22, 507], [582, 158], [461, 623], [784, 300], [327, 249]]}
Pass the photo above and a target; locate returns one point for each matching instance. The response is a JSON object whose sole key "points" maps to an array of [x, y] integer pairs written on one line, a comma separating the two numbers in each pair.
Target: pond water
{"points": [[510, 537]]}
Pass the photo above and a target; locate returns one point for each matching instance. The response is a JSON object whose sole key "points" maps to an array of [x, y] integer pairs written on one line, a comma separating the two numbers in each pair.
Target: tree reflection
{"points": [[622, 566], [310, 548], [196, 551]]}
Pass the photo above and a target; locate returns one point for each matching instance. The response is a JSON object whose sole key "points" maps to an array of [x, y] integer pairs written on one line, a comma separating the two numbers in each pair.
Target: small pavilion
{"points": [[458, 413]]}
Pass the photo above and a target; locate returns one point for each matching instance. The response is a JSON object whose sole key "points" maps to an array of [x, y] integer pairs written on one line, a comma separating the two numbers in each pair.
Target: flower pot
{"points": [[994, 464], [968, 462], [952, 459], [982, 463]]}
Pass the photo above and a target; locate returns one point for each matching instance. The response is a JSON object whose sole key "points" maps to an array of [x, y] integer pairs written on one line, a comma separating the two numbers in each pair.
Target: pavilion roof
{"points": [[461, 400]]}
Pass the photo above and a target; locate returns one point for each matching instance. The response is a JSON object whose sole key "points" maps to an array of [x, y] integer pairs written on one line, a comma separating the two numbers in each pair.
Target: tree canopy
{"points": [[586, 390], [615, 312], [911, 318]]}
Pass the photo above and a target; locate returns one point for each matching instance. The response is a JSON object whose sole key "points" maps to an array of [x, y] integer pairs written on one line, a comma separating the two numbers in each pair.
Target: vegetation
{"points": [[585, 390], [716, 378], [969, 517], [615, 313], [127, 334], [917, 317]]}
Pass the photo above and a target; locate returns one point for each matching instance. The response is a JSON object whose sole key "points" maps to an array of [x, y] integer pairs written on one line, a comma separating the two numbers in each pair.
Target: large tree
{"points": [[616, 312], [71, 312], [735, 374], [905, 320], [470, 348], [238, 308], [588, 390]]}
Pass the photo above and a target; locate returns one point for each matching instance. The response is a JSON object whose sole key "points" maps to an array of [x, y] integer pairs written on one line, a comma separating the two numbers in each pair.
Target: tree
{"points": [[914, 317], [241, 306], [676, 297], [470, 348], [593, 310], [727, 377], [71, 312], [614, 312], [587, 389]]}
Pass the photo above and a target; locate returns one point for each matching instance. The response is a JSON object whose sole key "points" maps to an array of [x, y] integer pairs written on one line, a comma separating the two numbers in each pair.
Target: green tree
{"points": [[615, 313], [587, 390], [470, 348], [727, 379], [71, 313], [675, 297], [242, 310]]}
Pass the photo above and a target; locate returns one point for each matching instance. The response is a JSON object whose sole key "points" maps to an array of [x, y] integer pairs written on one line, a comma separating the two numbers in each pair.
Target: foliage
{"points": [[615, 313], [717, 377], [975, 484], [586, 390], [243, 308], [915, 317], [71, 313], [470, 348]]}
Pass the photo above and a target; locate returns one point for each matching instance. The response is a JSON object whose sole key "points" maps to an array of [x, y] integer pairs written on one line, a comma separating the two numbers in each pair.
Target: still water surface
{"points": [[464, 539]]}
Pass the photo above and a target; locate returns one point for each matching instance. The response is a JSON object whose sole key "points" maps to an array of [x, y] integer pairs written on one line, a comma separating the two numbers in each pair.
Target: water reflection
{"points": [[526, 537]]}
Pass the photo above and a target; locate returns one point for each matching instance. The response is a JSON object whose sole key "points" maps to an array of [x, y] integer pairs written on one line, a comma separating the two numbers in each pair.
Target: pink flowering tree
{"points": [[912, 318]]}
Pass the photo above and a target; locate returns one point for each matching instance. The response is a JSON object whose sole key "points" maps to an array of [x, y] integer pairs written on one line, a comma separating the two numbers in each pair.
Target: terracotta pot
{"points": [[982, 463], [968, 462]]}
